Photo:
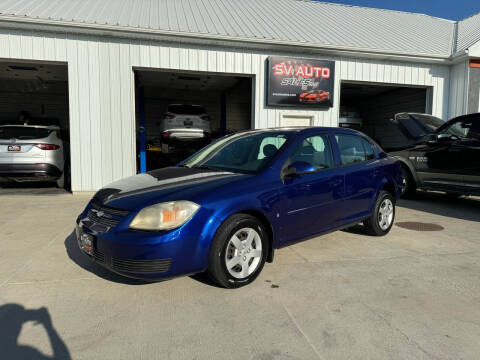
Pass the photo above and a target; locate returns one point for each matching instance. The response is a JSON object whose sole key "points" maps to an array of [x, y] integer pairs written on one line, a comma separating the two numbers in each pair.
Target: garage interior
{"points": [[370, 107], [41, 90], [226, 99]]}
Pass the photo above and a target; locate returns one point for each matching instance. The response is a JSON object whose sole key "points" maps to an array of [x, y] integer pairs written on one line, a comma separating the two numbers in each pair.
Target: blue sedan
{"points": [[227, 208]]}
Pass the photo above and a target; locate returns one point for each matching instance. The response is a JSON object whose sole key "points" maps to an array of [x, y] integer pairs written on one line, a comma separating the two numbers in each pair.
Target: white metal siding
{"points": [[101, 90], [458, 89]]}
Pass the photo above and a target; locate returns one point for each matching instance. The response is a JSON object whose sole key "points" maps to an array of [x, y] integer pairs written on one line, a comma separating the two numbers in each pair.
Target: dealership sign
{"points": [[300, 82]]}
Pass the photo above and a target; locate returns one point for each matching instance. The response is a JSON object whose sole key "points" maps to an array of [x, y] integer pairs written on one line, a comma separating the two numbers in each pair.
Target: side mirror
{"points": [[298, 168]]}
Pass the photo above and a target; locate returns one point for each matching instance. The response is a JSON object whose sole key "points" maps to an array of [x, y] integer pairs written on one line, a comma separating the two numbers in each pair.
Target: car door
{"points": [[311, 200], [440, 164], [470, 155], [362, 171]]}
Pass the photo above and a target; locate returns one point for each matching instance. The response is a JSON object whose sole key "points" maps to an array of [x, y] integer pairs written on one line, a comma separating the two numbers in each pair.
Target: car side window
{"points": [[369, 149], [316, 151], [458, 129], [269, 146], [354, 149]]}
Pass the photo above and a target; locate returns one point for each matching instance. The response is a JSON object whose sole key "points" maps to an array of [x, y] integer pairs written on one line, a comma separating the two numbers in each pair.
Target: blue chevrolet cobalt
{"points": [[227, 208]]}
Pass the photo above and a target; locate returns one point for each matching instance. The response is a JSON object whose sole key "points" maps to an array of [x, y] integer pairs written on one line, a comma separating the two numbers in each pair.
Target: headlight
{"points": [[164, 216]]}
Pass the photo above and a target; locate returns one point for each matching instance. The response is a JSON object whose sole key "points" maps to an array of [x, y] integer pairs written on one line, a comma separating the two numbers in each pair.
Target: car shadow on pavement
{"points": [[12, 319], [357, 230], [205, 279], [82, 260], [463, 208]]}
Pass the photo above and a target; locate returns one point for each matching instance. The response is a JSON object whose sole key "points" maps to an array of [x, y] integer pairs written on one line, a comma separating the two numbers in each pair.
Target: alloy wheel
{"points": [[244, 252], [385, 214]]}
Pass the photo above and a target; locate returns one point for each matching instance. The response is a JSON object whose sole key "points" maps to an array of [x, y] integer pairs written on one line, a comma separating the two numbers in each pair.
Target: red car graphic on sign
{"points": [[314, 96]]}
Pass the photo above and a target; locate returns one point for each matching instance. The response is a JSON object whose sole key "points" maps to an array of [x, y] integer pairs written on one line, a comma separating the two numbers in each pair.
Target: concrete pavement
{"points": [[410, 295]]}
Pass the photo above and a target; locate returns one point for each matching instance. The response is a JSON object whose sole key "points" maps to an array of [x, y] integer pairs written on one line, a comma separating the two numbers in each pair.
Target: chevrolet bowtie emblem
{"points": [[98, 213]]}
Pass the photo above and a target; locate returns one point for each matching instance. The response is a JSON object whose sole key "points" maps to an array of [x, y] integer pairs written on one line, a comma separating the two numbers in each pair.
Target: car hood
{"points": [[167, 184]]}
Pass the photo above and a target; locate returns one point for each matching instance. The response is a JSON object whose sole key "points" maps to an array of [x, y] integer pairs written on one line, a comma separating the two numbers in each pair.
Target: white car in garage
{"points": [[32, 153], [184, 125]]}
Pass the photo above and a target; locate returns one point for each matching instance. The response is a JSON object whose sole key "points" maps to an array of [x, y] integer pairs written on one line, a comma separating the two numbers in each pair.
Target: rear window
{"points": [[186, 109], [354, 149], [23, 133]]}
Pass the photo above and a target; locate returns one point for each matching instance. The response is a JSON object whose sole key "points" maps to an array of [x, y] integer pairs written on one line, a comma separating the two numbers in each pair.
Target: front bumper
{"points": [[148, 255], [30, 172]]}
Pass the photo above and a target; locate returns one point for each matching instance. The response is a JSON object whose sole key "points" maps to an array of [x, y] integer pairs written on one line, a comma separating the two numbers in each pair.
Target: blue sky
{"points": [[448, 9]]}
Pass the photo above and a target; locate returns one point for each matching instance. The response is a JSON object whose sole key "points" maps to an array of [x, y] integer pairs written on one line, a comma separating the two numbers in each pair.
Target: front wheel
{"points": [[383, 215], [238, 251]]}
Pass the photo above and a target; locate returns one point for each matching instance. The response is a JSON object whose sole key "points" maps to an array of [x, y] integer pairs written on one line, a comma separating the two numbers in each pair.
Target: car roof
{"points": [[468, 117], [304, 130]]}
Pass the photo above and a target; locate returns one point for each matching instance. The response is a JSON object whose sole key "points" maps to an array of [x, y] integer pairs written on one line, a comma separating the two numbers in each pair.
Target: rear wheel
{"points": [[383, 215], [238, 251], [409, 186], [61, 181]]}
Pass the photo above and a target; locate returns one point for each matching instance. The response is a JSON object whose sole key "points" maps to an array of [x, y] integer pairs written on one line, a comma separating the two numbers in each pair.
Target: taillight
{"points": [[169, 116], [165, 134], [47, 146]]}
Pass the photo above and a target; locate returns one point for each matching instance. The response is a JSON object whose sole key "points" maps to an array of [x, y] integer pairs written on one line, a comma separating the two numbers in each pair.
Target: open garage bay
{"points": [[167, 101]]}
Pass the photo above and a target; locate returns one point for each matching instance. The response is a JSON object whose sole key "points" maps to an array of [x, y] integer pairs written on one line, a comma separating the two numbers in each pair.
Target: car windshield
{"points": [[23, 132], [186, 109], [419, 125], [246, 153]]}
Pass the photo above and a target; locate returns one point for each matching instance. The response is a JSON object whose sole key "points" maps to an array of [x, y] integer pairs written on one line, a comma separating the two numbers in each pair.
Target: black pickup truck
{"points": [[447, 159]]}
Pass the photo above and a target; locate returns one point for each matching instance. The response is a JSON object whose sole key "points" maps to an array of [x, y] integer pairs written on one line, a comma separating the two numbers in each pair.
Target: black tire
{"points": [[217, 268], [409, 185], [60, 182], [373, 224]]}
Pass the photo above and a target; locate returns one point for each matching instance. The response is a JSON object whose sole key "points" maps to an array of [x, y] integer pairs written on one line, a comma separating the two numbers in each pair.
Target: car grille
{"points": [[98, 256], [110, 216], [133, 266], [141, 266]]}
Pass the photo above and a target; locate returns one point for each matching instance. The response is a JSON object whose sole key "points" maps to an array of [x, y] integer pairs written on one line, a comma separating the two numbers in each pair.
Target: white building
{"points": [[91, 63]]}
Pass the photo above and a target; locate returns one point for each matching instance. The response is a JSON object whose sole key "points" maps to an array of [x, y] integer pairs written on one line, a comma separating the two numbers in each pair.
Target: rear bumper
{"points": [[184, 135], [30, 172]]}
